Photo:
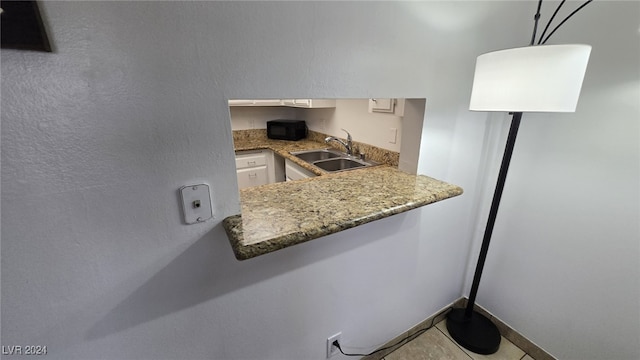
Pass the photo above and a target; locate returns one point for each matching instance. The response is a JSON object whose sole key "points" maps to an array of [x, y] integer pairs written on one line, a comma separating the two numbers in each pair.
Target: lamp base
{"points": [[477, 333]]}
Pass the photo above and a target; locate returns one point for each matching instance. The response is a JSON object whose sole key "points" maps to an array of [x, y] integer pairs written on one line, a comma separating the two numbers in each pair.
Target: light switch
{"points": [[196, 203], [393, 135]]}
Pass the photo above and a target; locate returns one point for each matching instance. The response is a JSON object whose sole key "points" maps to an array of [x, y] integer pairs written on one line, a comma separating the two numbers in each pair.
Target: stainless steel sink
{"points": [[332, 160], [338, 164], [315, 155]]}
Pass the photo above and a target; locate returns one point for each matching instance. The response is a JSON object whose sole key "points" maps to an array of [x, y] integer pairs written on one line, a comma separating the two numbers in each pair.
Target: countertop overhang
{"points": [[284, 214]]}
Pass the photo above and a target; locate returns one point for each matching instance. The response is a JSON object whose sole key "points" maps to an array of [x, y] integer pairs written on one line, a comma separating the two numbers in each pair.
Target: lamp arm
{"points": [[565, 19], [550, 20], [535, 24]]}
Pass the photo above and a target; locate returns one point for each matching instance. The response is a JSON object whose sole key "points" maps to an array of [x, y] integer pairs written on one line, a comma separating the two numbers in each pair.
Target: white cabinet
{"points": [[389, 106], [267, 102], [382, 105], [310, 103], [240, 102], [251, 168], [301, 103], [261, 102], [258, 167], [252, 177], [294, 171]]}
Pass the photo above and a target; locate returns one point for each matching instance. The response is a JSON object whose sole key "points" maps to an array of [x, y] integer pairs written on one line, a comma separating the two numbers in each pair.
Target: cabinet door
{"points": [[303, 102], [321, 103], [255, 102], [310, 103], [267, 102], [252, 177], [296, 172], [240, 102], [382, 105]]}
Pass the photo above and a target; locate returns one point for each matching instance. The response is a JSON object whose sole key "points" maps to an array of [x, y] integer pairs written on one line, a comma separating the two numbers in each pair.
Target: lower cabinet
{"points": [[252, 169], [294, 171], [258, 167], [261, 167], [252, 177]]}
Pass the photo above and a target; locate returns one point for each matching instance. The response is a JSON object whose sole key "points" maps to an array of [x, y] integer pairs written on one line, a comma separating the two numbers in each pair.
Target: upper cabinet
{"points": [[301, 103], [388, 106], [310, 103], [267, 102], [262, 102], [382, 105]]}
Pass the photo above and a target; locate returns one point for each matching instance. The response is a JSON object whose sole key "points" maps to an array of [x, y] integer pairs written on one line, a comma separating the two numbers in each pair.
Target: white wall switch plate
{"points": [[196, 203], [392, 135]]}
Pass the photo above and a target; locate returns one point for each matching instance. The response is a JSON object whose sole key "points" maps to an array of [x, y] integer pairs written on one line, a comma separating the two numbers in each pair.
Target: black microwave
{"points": [[286, 129]]}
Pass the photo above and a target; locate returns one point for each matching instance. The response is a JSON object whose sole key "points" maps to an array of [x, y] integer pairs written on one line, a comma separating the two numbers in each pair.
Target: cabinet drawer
{"points": [[250, 160], [252, 177]]}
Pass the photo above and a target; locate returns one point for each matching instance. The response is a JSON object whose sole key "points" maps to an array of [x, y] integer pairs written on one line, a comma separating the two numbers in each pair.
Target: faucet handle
{"points": [[348, 135]]}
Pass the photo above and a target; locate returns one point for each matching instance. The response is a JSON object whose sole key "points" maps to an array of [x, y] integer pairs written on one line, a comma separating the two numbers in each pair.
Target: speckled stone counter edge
{"points": [[243, 251], [233, 228]]}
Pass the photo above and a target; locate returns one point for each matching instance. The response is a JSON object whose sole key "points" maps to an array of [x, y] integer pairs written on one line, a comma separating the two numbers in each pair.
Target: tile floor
{"points": [[436, 344]]}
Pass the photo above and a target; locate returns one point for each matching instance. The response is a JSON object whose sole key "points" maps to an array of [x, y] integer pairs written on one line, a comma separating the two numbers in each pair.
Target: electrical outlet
{"points": [[332, 349]]}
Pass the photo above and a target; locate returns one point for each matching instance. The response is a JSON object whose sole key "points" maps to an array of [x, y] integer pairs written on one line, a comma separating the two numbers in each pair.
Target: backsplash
{"points": [[251, 134], [371, 152], [374, 153]]}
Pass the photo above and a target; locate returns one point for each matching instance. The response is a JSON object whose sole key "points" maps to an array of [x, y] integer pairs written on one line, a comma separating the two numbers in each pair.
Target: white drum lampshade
{"points": [[545, 78]]}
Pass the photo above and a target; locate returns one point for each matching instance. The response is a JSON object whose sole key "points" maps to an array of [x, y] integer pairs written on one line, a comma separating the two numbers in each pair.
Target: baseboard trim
{"points": [[529, 347]]}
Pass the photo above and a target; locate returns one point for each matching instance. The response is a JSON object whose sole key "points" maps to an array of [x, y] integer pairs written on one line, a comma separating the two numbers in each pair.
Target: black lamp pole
{"points": [[495, 203], [468, 328]]}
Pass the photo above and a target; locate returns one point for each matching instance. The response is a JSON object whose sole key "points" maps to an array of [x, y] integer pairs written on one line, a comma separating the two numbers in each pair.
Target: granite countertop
{"points": [[276, 216]]}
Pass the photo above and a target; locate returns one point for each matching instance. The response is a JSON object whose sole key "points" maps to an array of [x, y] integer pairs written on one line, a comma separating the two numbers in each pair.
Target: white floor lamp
{"points": [[545, 78]]}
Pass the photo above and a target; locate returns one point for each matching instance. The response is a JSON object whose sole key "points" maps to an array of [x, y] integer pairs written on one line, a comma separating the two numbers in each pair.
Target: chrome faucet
{"points": [[348, 145]]}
